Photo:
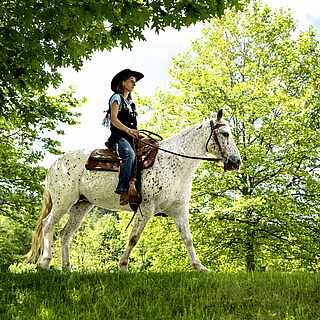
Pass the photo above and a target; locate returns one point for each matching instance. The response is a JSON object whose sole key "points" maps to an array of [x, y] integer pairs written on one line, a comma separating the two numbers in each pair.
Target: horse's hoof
{"points": [[123, 266], [199, 267], [43, 264], [68, 268]]}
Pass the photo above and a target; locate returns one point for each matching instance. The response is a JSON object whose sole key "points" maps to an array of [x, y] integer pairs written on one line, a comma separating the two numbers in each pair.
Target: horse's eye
{"points": [[225, 134]]}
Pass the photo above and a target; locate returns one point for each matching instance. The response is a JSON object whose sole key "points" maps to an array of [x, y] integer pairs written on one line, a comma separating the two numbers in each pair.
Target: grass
{"points": [[57, 295]]}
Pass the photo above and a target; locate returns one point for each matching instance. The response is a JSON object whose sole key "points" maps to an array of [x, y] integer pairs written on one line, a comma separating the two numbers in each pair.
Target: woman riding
{"points": [[122, 120]]}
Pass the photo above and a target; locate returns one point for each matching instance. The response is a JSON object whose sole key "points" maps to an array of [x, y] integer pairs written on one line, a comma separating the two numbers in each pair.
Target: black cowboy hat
{"points": [[124, 75]]}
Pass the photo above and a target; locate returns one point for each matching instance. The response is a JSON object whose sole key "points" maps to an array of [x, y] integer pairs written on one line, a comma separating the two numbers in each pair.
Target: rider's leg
{"points": [[127, 155]]}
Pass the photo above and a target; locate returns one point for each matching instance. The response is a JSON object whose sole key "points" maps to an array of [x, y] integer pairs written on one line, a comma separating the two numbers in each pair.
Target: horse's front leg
{"points": [[139, 224], [182, 223]]}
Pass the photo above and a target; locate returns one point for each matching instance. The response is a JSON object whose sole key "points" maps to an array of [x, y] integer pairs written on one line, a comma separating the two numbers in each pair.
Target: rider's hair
{"points": [[120, 88]]}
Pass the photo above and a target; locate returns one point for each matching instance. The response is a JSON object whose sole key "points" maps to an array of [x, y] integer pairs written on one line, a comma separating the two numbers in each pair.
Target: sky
{"points": [[153, 58]]}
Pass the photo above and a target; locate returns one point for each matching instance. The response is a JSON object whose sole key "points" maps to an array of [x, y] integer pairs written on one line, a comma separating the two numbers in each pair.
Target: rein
{"points": [[213, 128], [149, 134]]}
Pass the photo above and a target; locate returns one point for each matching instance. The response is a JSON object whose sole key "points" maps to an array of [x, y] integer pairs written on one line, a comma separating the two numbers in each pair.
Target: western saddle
{"points": [[108, 160]]}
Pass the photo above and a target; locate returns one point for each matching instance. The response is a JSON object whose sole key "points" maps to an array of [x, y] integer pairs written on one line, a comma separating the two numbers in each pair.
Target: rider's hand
{"points": [[133, 133]]}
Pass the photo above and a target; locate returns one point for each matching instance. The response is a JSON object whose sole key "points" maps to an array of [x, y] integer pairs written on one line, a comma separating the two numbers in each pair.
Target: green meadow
{"points": [[56, 295]]}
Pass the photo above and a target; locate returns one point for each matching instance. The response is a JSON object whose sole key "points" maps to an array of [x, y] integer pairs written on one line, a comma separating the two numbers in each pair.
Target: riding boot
{"points": [[124, 198]]}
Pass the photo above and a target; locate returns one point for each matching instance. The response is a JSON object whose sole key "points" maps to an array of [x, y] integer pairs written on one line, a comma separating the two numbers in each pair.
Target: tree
{"points": [[267, 81], [22, 144], [39, 37]]}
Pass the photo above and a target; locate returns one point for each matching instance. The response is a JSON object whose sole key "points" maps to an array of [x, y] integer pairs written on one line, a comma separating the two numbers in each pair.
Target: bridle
{"points": [[213, 132]]}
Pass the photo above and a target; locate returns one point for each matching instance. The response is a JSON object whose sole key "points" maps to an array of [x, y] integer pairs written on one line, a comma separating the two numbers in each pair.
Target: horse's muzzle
{"points": [[233, 163]]}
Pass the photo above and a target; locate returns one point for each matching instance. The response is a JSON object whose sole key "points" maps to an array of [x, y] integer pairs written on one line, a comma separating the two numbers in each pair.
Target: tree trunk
{"points": [[250, 258]]}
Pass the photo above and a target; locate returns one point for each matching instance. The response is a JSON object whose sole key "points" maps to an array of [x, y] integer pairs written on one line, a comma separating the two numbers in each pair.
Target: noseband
{"points": [[215, 137]]}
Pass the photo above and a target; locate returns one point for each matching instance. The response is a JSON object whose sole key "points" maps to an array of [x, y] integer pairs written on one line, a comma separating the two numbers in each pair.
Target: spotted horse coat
{"points": [[166, 188]]}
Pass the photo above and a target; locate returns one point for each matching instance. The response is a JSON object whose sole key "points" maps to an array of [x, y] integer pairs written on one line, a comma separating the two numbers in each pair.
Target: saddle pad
{"points": [[94, 164]]}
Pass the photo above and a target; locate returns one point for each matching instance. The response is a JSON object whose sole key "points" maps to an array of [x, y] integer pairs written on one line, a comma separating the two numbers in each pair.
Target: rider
{"points": [[123, 117]]}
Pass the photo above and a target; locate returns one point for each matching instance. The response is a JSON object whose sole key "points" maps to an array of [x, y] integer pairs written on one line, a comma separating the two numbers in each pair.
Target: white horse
{"points": [[166, 188]]}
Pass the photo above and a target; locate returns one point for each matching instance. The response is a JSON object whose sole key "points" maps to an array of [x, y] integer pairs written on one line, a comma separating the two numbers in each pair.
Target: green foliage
{"points": [[39, 37], [14, 241], [36, 34], [267, 81], [22, 267], [101, 240], [98, 244], [26, 133], [23, 143]]}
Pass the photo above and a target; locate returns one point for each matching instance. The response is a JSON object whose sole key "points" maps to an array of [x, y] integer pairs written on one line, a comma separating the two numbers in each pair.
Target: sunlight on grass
{"points": [[58, 295]]}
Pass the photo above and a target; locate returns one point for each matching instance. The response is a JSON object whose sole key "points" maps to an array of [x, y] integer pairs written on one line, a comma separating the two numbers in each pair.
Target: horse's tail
{"points": [[37, 236]]}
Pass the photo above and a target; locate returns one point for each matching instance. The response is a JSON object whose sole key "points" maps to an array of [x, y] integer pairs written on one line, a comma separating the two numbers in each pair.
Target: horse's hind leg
{"points": [[48, 226], [77, 213]]}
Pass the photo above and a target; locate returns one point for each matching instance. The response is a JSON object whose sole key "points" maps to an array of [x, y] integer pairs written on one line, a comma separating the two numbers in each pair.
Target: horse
{"points": [[166, 188]]}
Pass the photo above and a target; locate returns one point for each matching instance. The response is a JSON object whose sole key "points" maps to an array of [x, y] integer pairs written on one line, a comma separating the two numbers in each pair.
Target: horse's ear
{"points": [[219, 115]]}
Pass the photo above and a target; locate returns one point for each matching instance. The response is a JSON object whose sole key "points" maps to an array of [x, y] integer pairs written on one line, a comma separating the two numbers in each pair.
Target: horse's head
{"points": [[222, 145]]}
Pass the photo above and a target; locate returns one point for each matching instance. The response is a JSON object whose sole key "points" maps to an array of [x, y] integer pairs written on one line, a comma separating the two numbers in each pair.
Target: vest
{"points": [[127, 117]]}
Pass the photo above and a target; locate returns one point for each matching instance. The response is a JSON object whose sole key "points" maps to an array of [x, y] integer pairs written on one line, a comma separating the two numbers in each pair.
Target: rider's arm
{"points": [[117, 123], [114, 118]]}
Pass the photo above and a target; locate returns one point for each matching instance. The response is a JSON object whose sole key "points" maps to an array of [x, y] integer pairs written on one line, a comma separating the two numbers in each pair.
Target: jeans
{"points": [[126, 153]]}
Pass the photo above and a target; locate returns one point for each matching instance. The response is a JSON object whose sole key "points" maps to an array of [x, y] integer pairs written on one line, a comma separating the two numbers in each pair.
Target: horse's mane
{"points": [[184, 132]]}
